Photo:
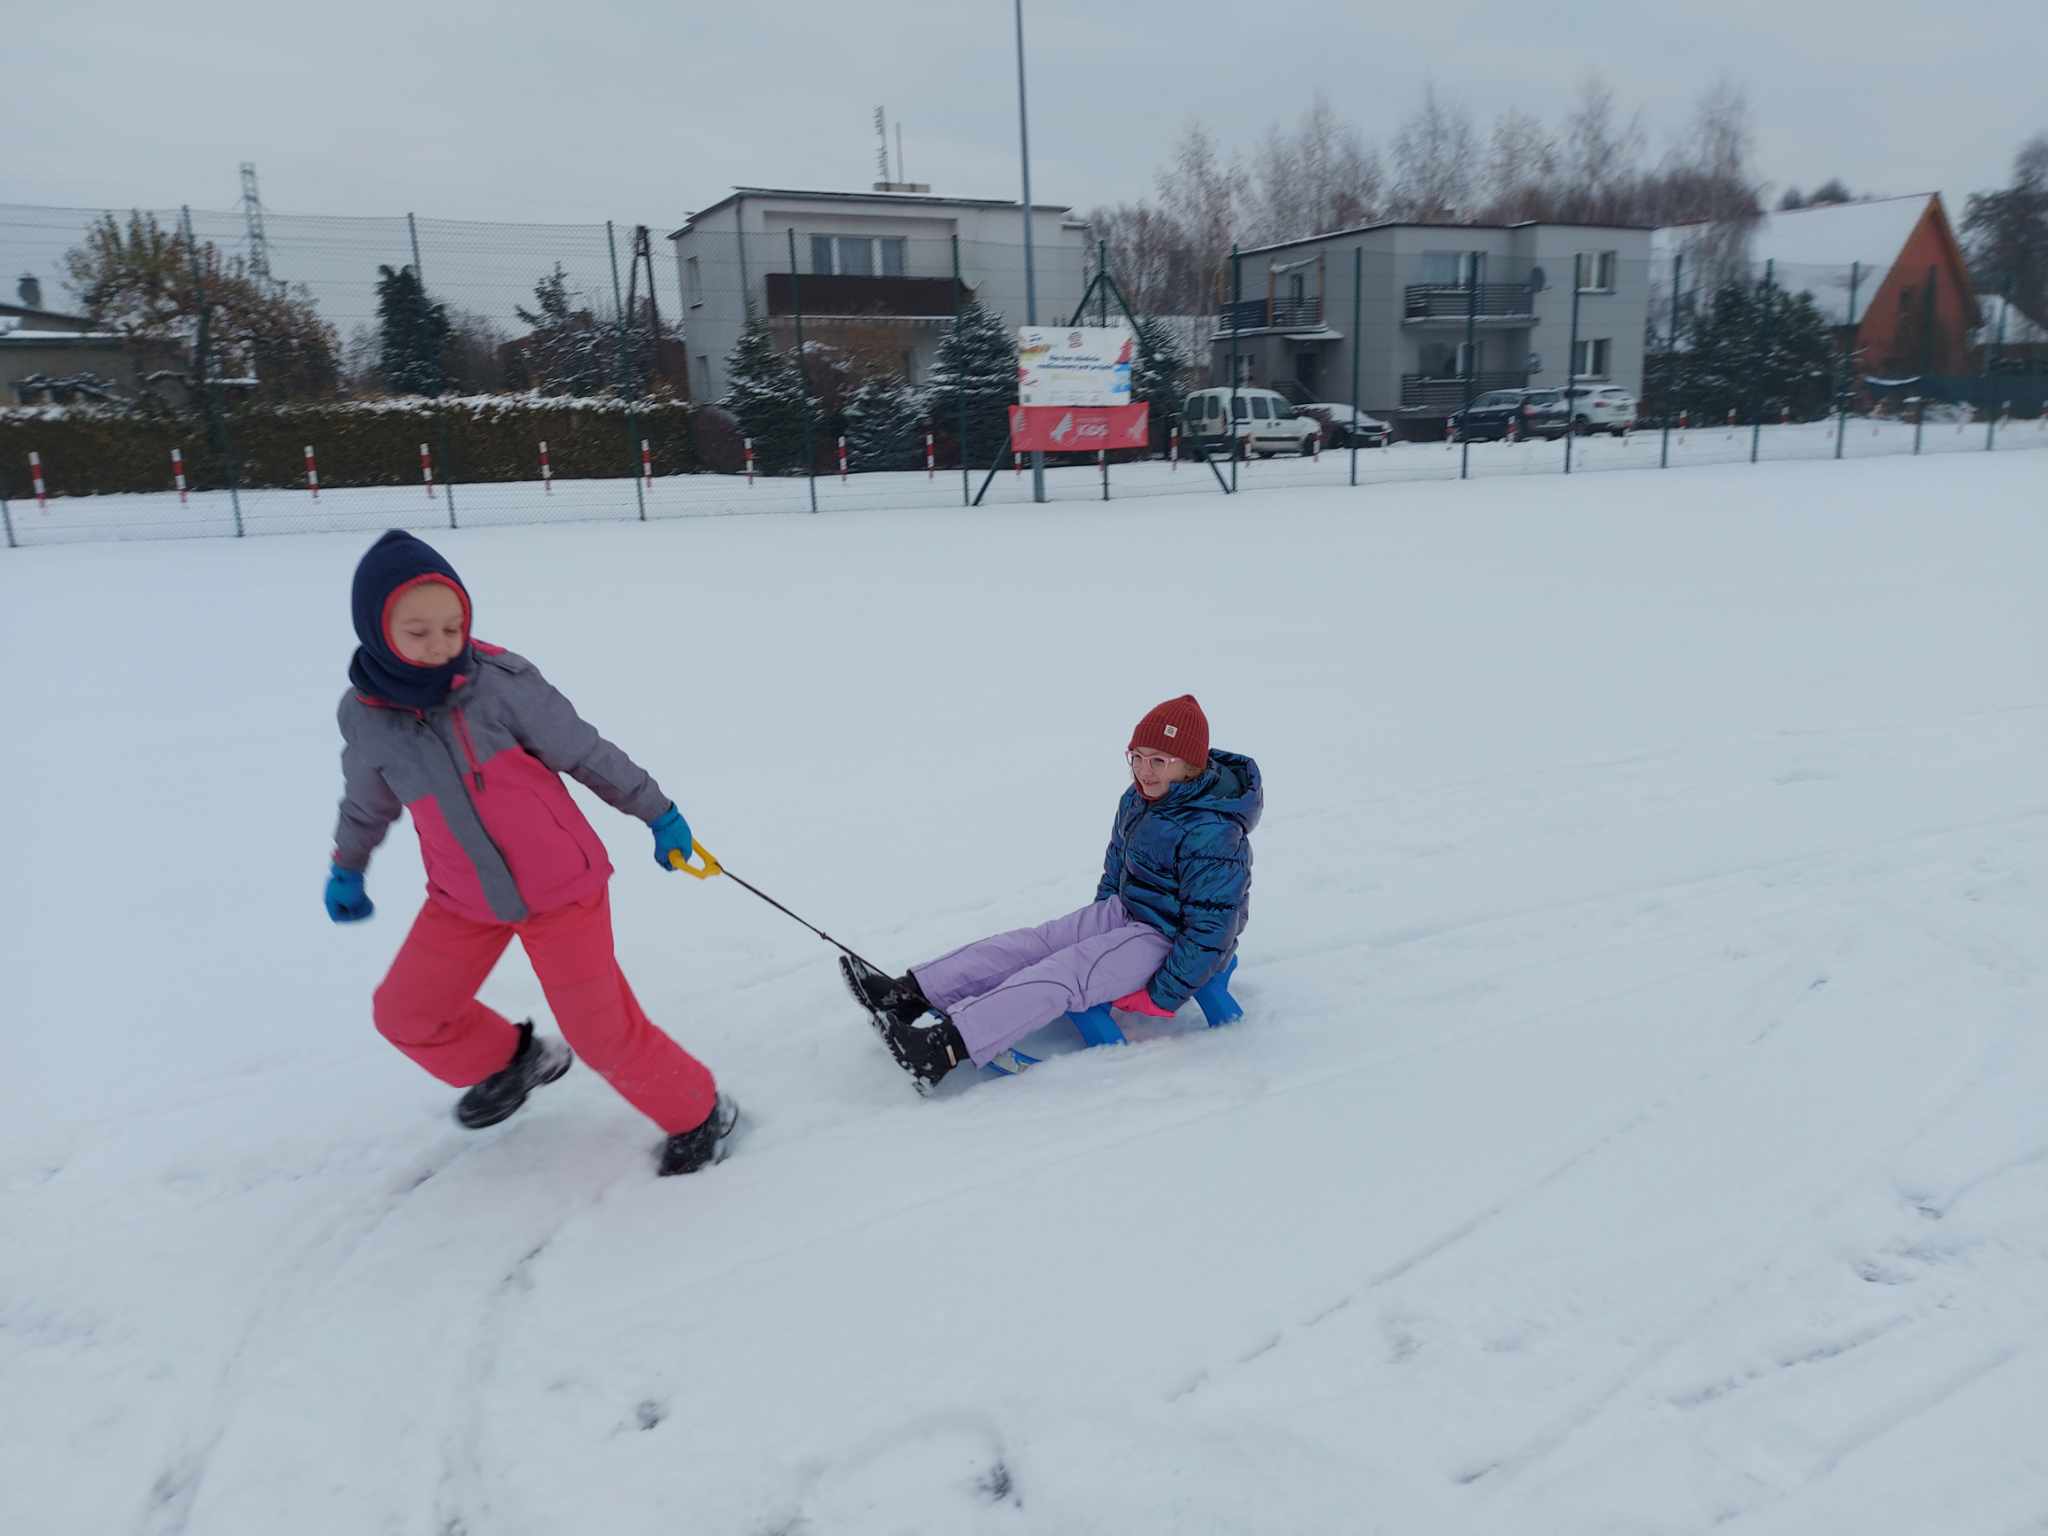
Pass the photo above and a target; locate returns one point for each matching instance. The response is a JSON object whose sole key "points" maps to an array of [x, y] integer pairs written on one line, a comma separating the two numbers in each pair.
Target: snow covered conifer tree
{"points": [[767, 395], [977, 367], [885, 424]]}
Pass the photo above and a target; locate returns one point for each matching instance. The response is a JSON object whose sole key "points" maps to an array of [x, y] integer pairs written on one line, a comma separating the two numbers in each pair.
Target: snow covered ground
{"points": [[66, 519], [1639, 1124]]}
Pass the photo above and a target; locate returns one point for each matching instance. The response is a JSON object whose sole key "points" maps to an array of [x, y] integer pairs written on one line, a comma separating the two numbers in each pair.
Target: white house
{"points": [[871, 272]]}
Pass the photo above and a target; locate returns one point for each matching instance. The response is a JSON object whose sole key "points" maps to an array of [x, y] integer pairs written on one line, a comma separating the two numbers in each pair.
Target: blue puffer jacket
{"points": [[1183, 864]]}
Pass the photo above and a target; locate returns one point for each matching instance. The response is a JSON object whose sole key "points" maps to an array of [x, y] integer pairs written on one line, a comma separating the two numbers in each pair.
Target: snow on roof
{"points": [[1820, 250], [2021, 330], [45, 337]]}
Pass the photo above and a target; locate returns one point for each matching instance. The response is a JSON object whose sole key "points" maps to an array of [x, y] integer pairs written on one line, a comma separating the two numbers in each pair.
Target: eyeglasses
{"points": [[1153, 760]]}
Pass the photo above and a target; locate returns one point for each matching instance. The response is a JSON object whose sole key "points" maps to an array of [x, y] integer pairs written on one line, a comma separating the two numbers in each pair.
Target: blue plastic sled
{"points": [[1099, 1027]]}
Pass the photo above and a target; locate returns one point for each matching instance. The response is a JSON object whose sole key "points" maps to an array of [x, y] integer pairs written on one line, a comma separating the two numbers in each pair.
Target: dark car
{"points": [[1489, 415]]}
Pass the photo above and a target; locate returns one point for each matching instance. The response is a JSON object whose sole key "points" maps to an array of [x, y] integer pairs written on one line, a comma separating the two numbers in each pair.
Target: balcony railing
{"points": [[1455, 301], [1271, 314], [899, 297], [1427, 393]]}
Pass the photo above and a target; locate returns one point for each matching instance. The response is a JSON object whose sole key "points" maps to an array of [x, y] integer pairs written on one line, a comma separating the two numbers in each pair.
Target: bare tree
{"points": [[1520, 176], [1436, 156], [1602, 155], [1202, 197], [1317, 177]]}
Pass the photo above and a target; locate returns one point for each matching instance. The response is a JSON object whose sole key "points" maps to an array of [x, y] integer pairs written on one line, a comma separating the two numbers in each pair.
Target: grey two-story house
{"points": [[1430, 310]]}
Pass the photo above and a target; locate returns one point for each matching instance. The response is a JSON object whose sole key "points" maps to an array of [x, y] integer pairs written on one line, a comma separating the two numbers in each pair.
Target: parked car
{"points": [[1489, 415], [1344, 425], [1594, 408], [1542, 413], [1266, 423]]}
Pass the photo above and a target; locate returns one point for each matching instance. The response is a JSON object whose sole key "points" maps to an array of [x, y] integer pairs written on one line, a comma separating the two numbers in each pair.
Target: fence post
{"points": [[1997, 346], [1357, 341], [1671, 360], [966, 494], [1848, 361], [803, 367], [1763, 332], [1926, 351], [1236, 295], [1471, 359], [419, 272], [219, 438], [1571, 365], [632, 417]]}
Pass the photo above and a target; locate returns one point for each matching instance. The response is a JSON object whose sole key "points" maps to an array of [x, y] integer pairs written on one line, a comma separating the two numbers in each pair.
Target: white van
{"points": [[1266, 423]]}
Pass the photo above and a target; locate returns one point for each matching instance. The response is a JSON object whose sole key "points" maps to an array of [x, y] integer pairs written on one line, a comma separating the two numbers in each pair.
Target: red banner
{"points": [[1078, 428]]}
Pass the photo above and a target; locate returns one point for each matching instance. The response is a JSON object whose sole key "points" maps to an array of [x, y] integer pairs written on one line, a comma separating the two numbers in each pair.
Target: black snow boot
{"points": [[926, 1051], [499, 1096], [881, 993], [687, 1151]]}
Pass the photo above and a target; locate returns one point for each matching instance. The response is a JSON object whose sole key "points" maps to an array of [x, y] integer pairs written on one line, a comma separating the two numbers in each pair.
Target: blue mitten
{"points": [[347, 902], [671, 835]]}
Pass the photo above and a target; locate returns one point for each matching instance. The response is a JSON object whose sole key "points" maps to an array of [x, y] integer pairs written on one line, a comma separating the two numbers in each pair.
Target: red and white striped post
{"points": [[646, 465], [750, 458], [1017, 461], [547, 474], [1683, 418], [930, 463], [1785, 414], [312, 473], [842, 458], [1173, 451], [1315, 447], [1731, 421], [427, 470], [1514, 425], [178, 473], [35, 469]]}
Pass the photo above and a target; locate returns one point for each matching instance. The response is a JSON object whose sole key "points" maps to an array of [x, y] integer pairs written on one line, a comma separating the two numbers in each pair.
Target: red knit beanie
{"points": [[1178, 728]]}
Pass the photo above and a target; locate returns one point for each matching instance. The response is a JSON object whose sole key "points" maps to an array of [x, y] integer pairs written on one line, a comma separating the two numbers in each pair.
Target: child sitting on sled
{"points": [[1174, 896]]}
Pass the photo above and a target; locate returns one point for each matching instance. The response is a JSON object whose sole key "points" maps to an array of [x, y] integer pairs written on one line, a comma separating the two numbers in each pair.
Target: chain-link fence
{"points": [[175, 377]]}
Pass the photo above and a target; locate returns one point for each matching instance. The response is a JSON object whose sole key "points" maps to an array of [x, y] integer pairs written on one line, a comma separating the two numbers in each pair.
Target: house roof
{"points": [[1367, 229], [1822, 249], [44, 319], [909, 199]]}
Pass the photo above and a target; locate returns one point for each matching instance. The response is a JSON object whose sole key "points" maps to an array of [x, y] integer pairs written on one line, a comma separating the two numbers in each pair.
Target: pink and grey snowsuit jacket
{"points": [[499, 834]]}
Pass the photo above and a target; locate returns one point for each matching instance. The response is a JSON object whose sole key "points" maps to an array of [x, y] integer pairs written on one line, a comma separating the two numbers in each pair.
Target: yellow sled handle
{"points": [[704, 871]]}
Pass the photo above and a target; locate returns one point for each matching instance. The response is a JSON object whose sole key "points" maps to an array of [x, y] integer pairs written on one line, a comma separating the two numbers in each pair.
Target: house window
{"points": [[1448, 269], [1592, 359], [1439, 360], [703, 378], [857, 255], [1297, 289], [1596, 271], [695, 270]]}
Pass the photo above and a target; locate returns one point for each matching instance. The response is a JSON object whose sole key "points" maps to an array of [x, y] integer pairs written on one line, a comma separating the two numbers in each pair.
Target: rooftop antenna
{"points": [[882, 152], [252, 216]]}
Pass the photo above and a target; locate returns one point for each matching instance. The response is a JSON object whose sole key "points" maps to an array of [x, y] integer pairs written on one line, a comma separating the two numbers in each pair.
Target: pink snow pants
{"points": [[427, 1007]]}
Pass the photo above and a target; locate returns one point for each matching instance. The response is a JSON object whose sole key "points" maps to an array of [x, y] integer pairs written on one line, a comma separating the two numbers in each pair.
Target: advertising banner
{"points": [[1068, 366], [1079, 428]]}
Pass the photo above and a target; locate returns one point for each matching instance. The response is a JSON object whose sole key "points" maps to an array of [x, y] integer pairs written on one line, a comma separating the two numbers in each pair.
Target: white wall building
{"points": [[873, 272]]}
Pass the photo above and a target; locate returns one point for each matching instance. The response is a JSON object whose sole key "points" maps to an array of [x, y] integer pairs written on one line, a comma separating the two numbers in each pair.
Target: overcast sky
{"points": [[642, 111]]}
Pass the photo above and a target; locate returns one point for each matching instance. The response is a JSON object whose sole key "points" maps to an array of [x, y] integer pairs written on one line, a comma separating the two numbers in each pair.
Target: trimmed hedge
{"points": [[88, 450]]}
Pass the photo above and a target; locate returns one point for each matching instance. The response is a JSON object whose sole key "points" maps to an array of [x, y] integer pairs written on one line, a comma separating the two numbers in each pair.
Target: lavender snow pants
{"points": [[999, 989]]}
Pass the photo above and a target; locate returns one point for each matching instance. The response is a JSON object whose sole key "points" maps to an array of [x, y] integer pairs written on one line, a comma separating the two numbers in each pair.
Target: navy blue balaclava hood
{"points": [[391, 565]]}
